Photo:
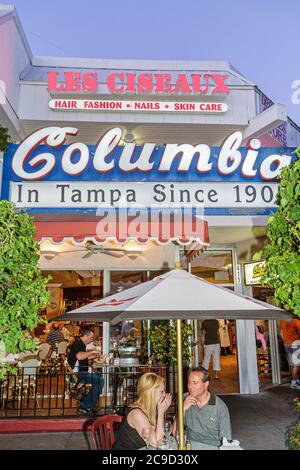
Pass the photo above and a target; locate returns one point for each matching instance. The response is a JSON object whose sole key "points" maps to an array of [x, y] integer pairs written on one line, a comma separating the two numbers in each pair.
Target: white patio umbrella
{"points": [[176, 295]]}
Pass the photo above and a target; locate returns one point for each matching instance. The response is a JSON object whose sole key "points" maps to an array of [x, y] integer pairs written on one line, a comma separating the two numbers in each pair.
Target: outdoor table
{"points": [[119, 371]]}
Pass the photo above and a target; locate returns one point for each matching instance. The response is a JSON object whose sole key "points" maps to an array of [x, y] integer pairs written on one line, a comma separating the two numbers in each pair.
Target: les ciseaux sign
{"points": [[158, 84], [44, 173], [140, 82]]}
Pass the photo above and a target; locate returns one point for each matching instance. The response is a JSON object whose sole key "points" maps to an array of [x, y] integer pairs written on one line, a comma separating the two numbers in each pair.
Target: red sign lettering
{"points": [[136, 83], [73, 82]]}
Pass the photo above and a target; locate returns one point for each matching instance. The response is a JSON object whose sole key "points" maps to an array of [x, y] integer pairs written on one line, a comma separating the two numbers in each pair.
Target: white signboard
{"points": [[253, 272], [93, 194], [238, 274], [148, 106]]}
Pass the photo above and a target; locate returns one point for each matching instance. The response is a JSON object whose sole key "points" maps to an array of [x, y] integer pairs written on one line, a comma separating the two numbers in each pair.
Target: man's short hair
{"points": [[86, 331], [206, 376]]}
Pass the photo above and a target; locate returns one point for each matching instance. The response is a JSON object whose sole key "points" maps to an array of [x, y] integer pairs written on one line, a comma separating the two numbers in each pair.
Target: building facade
{"points": [[102, 145]]}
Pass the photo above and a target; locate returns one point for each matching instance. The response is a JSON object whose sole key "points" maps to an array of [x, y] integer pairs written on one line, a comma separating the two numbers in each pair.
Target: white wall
{"points": [[15, 55], [34, 99], [153, 257]]}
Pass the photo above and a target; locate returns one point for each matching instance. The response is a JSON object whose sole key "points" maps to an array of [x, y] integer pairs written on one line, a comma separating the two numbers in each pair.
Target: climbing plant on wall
{"points": [[4, 139], [282, 253], [22, 288]]}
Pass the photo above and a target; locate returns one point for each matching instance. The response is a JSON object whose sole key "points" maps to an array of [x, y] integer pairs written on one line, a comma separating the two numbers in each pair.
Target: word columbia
{"points": [[77, 157]]}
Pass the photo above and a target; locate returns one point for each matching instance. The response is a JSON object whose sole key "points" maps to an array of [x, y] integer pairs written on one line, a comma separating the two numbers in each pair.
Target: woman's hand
{"points": [[164, 403]]}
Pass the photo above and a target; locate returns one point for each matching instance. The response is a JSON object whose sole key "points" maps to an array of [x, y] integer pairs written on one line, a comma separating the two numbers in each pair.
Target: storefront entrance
{"points": [[217, 265], [75, 288]]}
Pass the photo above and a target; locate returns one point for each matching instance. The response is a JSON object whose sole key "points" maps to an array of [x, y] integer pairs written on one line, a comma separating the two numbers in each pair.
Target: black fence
{"points": [[49, 392]]}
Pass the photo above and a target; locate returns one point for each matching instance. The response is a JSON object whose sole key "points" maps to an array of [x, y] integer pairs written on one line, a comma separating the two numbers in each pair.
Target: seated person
{"points": [[78, 361], [65, 332], [144, 423], [55, 335], [260, 338], [206, 417]]}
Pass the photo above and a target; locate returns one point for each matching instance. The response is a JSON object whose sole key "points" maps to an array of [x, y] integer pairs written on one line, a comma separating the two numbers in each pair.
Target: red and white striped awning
{"points": [[184, 232]]}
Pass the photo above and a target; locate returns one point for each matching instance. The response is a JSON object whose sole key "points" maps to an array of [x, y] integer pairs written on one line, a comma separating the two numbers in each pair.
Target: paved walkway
{"points": [[258, 422], [262, 422]]}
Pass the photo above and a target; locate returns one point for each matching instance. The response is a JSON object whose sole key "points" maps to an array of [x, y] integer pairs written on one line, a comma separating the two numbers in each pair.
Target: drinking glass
{"points": [[164, 445], [188, 445], [167, 429]]}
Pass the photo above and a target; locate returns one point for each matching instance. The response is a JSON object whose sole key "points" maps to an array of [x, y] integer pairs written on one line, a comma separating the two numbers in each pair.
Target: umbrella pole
{"points": [[180, 386]]}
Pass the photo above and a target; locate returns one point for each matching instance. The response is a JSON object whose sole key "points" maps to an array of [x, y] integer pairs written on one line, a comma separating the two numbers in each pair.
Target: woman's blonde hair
{"points": [[147, 385]]}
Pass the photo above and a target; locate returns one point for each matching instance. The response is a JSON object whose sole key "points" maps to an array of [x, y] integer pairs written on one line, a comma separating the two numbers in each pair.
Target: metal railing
{"points": [[46, 392]]}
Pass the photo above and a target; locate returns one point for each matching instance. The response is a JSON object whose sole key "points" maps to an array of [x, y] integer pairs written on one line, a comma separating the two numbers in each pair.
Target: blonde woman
{"points": [[144, 424]]}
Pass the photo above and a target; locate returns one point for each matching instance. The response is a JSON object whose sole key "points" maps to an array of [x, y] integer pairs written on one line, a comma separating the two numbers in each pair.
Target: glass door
{"points": [[217, 265]]}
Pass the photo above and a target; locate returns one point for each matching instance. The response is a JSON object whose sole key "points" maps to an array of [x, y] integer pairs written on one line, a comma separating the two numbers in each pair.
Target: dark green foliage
{"points": [[163, 341], [22, 289], [4, 139], [282, 253]]}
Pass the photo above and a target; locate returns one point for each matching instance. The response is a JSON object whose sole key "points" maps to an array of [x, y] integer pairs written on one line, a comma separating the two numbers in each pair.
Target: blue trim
{"points": [[232, 211], [90, 174], [117, 175]]}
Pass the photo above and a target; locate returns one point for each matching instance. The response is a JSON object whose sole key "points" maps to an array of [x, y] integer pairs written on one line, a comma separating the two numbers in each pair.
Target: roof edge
{"points": [[8, 12]]}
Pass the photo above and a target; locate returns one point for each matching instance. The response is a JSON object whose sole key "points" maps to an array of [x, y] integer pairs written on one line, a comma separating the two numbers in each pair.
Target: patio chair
{"points": [[62, 347], [44, 350], [47, 354], [26, 384], [7, 390], [103, 431]]}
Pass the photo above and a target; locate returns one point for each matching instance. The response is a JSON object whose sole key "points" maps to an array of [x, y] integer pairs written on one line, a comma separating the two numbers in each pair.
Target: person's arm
{"points": [[82, 355], [188, 402], [139, 421], [162, 407], [298, 327], [225, 424]]}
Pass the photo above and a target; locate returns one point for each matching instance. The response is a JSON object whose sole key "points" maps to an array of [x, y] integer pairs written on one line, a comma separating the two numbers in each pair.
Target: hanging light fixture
{"points": [[129, 138]]}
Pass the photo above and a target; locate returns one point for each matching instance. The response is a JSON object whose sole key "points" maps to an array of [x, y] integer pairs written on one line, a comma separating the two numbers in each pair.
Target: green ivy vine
{"points": [[4, 139], [22, 288], [282, 254]]}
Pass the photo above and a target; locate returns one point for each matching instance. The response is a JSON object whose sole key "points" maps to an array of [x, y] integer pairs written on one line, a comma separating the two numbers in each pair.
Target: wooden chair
{"points": [[103, 431], [62, 347], [43, 351], [27, 378]]}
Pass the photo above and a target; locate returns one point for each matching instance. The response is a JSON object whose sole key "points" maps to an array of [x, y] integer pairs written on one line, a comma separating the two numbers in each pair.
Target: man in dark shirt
{"points": [[212, 347], [78, 360]]}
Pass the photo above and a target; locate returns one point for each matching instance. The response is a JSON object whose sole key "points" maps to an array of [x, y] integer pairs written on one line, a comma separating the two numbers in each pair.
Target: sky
{"points": [[260, 38]]}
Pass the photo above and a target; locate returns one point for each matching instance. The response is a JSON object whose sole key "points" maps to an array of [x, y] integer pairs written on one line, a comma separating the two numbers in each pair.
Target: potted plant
{"points": [[163, 342], [164, 346]]}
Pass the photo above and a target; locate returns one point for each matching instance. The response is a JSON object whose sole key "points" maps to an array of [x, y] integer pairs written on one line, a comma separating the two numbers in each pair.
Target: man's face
{"points": [[195, 385], [87, 339]]}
